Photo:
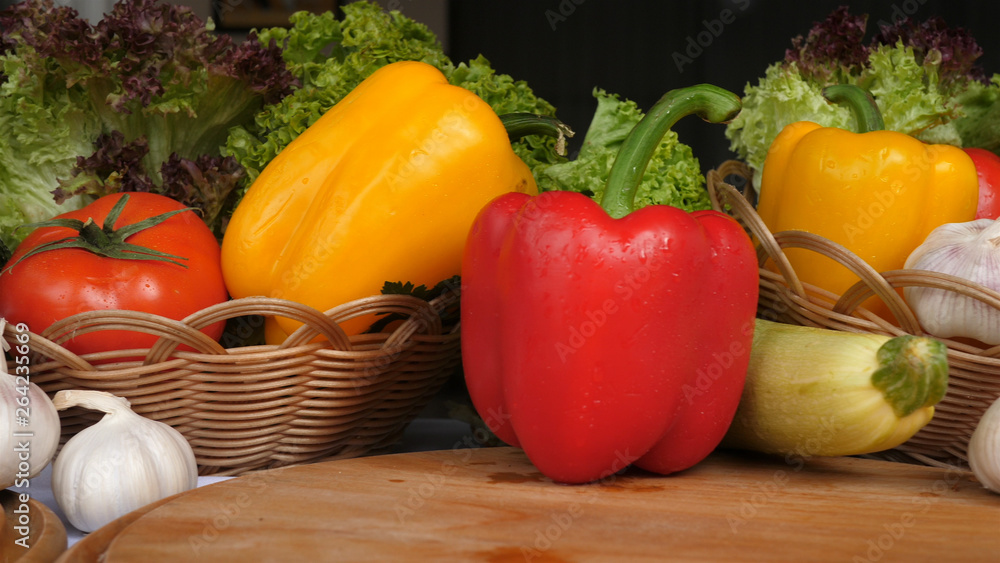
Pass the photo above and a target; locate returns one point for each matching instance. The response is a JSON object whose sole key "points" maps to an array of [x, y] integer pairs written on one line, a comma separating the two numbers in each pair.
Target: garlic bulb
{"points": [[29, 423], [123, 462], [967, 250], [984, 449]]}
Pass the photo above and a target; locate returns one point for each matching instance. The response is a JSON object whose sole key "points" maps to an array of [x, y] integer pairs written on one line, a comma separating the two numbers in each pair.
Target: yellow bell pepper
{"points": [[878, 193], [383, 187]]}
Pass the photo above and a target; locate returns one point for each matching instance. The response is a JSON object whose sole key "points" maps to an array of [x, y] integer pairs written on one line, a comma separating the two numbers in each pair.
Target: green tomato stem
{"points": [[711, 103], [93, 234], [106, 241]]}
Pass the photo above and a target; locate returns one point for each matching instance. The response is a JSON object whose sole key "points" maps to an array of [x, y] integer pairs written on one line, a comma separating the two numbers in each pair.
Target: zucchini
{"points": [[821, 392]]}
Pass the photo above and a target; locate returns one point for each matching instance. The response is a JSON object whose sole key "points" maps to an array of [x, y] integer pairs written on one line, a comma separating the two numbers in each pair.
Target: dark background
{"points": [[563, 49]]}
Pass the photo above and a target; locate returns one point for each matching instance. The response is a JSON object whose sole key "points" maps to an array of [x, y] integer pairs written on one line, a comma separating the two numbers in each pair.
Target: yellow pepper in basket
{"points": [[878, 193], [383, 187]]}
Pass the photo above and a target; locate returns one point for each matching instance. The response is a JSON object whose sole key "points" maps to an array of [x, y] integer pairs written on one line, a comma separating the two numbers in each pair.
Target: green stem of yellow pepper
{"points": [[711, 103], [523, 124], [861, 104]]}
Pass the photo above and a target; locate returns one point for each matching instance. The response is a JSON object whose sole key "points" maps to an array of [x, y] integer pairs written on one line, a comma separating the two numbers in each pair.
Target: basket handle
{"points": [[314, 322], [721, 194], [43, 347], [426, 319], [421, 317], [872, 280], [172, 330], [857, 293], [729, 168]]}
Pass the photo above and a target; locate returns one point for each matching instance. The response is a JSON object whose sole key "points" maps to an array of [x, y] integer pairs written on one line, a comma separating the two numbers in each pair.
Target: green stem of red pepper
{"points": [[711, 103], [861, 104]]}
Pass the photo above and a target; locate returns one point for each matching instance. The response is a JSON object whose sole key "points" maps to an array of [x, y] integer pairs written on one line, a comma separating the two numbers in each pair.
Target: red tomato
{"points": [[55, 284], [988, 169]]}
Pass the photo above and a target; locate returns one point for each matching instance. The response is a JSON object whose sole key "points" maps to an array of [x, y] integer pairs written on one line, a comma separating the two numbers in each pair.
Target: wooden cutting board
{"points": [[492, 505], [46, 536]]}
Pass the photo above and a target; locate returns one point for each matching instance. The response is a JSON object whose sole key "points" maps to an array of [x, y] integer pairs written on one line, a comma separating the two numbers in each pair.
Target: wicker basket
{"points": [[255, 407], [974, 371]]}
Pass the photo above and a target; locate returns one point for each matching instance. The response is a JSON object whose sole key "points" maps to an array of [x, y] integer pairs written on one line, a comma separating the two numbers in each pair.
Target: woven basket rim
{"points": [[423, 322]]}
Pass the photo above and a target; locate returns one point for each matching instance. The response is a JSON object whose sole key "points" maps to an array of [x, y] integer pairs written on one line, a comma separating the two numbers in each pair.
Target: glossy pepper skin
{"points": [[594, 337], [878, 193], [383, 187]]}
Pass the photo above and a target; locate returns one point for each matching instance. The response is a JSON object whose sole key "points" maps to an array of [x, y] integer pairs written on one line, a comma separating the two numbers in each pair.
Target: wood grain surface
{"points": [[46, 535], [492, 505]]}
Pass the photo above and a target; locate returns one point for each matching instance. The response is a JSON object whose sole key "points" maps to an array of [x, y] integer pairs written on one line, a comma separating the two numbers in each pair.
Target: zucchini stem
{"points": [[912, 373]]}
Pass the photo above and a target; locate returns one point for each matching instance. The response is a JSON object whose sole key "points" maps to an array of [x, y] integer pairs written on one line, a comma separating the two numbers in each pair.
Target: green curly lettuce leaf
{"points": [[909, 94], [142, 99], [979, 125], [43, 129], [783, 96]]}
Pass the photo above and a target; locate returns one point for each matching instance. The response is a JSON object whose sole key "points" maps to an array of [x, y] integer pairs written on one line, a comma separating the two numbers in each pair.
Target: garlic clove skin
{"points": [[37, 441], [28, 448], [984, 448], [970, 251], [122, 463]]}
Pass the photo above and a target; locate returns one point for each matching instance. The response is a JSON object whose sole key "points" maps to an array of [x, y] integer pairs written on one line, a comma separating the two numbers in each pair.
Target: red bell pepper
{"points": [[988, 170], [595, 336]]}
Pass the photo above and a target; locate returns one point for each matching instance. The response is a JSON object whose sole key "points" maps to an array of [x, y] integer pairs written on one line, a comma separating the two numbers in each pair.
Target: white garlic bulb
{"points": [[970, 251], [29, 423], [123, 462], [984, 449]]}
